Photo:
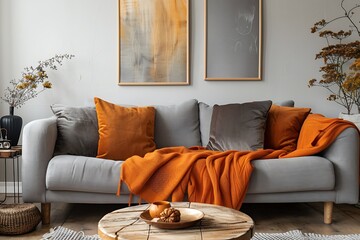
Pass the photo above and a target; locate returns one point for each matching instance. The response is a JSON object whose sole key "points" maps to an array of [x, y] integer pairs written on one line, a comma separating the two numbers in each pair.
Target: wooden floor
{"points": [[267, 217]]}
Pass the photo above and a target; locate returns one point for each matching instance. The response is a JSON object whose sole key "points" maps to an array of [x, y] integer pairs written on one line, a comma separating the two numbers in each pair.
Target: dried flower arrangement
{"points": [[26, 88], [342, 80]]}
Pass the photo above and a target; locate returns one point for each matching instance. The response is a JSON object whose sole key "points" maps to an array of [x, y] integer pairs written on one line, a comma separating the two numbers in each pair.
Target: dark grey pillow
{"points": [[238, 126], [205, 113], [177, 125], [77, 130]]}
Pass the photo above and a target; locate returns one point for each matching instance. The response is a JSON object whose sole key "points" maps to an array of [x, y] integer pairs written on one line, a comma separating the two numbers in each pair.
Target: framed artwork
{"points": [[153, 42], [233, 39]]}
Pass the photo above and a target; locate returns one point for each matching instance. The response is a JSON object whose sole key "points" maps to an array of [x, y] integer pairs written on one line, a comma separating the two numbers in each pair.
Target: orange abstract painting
{"points": [[153, 42]]}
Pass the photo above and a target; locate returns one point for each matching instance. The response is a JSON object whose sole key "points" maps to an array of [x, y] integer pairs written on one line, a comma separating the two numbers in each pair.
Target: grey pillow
{"points": [[177, 125], [77, 130], [238, 126], [205, 113]]}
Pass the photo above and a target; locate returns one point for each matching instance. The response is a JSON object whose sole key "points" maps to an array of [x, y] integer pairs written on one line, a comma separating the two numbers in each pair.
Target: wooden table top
{"points": [[218, 223], [8, 153]]}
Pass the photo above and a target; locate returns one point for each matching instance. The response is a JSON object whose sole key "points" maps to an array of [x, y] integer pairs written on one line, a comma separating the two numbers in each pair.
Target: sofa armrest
{"points": [[344, 154], [39, 138]]}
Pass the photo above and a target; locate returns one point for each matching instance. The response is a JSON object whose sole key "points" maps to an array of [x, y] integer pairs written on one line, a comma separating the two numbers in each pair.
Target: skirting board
{"points": [[10, 187]]}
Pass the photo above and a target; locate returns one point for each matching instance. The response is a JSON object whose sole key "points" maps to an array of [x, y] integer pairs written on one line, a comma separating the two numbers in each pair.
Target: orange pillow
{"points": [[283, 127], [124, 131]]}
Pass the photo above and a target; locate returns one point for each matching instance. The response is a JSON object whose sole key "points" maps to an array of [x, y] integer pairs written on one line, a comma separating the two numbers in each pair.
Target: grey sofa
{"points": [[50, 175]]}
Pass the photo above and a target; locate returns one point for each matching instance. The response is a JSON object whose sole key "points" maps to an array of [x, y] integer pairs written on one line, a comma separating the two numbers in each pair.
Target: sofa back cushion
{"points": [[238, 126], [177, 125], [205, 114], [77, 130]]}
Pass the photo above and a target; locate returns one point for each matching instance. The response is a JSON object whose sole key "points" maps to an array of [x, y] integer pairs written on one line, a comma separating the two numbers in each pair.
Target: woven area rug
{"points": [[61, 233], [298, 235]]}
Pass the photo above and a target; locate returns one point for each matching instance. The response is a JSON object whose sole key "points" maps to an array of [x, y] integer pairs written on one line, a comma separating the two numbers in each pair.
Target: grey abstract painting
{"points": [[233, 39]]}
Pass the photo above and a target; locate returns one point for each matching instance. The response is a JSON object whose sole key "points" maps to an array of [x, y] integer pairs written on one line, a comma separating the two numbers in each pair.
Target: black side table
{"points": [[14, 154]]}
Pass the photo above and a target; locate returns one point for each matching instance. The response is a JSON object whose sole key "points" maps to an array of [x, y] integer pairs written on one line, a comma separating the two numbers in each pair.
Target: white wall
{"points": [[33, 30]]}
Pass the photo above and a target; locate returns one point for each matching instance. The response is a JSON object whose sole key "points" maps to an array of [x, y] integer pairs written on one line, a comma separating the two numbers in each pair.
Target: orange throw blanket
{"points": [[215, 177]]}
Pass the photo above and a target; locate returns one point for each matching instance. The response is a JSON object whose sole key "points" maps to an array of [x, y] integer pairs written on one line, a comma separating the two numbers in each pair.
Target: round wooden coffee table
{"points": [[218, 223]]}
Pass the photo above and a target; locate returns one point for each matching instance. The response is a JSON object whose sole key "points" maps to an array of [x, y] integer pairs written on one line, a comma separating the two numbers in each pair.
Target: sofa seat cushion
{"points": [[84, 174], [292, 175], [88, 174]]}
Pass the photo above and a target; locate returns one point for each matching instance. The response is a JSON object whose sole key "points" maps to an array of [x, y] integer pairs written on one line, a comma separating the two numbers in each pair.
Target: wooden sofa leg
{"points": [[45, 213], [328, 209]]}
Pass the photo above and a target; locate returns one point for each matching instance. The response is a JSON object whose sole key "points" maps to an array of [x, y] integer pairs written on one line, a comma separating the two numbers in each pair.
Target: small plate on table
{"points": [[188, 217]]}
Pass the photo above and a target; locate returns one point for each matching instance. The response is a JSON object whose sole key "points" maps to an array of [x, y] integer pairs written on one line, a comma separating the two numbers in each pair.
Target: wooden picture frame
{"points": [[233, 39], [154, 42]]}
